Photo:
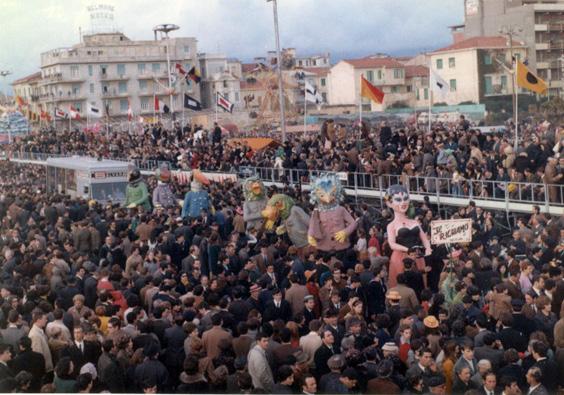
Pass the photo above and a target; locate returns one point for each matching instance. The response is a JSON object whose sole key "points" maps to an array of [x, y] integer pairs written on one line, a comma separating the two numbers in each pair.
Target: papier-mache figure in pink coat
{"points": [[331, 224]]}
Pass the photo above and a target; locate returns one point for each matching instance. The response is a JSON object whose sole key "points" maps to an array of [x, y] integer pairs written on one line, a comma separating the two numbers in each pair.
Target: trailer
{"points": [[85, 177]]}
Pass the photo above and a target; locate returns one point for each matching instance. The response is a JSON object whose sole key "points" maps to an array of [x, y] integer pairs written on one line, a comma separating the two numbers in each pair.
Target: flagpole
{"points": [[515, 92], [430, 98], [305, 110], [360, 101], [70, 122], [183, 108], [216, 97]]}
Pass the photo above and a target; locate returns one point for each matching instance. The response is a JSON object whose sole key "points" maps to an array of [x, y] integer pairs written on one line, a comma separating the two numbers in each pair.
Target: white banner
{"points": [[451, 231], [183, 177]]}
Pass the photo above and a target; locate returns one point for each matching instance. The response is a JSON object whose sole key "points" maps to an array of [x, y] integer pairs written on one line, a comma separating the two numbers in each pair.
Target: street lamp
{"points": [[165, 28], [511, 31], [279, 63], [4, 74]]}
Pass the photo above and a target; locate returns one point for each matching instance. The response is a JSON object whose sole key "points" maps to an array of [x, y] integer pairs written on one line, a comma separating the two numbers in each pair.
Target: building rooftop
{"points": [[369, 63], [317, 70], [481, 42], [28, 78], [416, 71]]}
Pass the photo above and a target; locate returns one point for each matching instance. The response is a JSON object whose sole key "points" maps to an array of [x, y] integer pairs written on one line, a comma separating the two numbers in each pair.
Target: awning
{"points": [[255, 143]]}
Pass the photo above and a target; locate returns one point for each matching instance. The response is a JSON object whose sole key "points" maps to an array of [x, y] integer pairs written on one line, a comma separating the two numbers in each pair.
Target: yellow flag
{"points": [[526, 79]]}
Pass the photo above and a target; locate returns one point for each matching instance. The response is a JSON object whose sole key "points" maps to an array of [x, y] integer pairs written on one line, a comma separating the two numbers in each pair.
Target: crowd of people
{"points": [[100, 297], [468, 162]]}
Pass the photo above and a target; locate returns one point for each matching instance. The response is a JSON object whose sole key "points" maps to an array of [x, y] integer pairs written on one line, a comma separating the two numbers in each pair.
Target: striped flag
{"points": [[370, 91], [225, 104], [60, 114], [74, 113]]}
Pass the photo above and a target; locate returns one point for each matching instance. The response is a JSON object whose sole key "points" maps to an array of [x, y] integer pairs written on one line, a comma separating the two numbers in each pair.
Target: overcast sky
{"points": [[238, 28]]}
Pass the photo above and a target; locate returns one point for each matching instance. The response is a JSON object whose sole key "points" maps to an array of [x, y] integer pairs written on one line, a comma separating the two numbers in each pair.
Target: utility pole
{"points": [[279, 63], [166, 28]]}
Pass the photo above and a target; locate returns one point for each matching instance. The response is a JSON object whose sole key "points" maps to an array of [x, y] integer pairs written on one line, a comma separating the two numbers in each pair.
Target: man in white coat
{"points": [[259, 368], [39, 339]]}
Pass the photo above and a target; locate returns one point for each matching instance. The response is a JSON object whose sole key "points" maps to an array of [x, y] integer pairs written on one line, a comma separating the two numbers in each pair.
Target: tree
{"points": [[553, 109]]}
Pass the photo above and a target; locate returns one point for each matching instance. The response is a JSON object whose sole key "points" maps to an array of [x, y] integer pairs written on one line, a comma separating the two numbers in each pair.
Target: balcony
{"points": [[556, 27], [543, 65], [541, 27], [108, 77], [542, 46], [113, 93]]}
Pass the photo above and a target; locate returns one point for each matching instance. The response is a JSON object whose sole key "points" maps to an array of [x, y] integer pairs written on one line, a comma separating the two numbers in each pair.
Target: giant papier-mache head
{"points": [[134, 176], [198, 179], [278, 206], [397, 198], [163, 174], [326, 191], [253, 189]]}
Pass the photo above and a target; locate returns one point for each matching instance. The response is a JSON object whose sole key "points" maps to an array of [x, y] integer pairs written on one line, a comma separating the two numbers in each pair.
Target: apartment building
{"points": [[109, 71], [537, 23]]}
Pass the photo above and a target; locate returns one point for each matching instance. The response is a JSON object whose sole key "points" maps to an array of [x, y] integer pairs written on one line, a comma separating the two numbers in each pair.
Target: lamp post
{"points": [[279, 63], [511, 31], [166, 28]]}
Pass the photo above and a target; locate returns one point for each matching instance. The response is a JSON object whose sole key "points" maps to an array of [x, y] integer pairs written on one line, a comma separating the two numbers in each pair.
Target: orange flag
{"points": [[370, 91]]}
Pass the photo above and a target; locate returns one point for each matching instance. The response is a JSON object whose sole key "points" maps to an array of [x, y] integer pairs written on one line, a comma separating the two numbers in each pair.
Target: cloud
{"points": [[238, 28]]}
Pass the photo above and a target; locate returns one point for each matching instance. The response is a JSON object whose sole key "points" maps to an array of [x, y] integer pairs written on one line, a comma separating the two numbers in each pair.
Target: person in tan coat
{"points": [[500, 301], [408, 298], [39, 341], [213, 337], [295, 294], [552, 178]]}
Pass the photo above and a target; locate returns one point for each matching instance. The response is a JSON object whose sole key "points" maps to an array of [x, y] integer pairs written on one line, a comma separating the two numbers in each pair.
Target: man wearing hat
{"points": [[309, 309], [437, 385], [393, 298], [330, 382]]}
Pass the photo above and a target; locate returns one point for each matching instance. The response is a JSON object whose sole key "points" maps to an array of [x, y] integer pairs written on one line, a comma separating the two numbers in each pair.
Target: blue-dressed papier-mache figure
{"points": [[331, 224], [162, 194], [255, 202], [136, 193], [197, 199]]}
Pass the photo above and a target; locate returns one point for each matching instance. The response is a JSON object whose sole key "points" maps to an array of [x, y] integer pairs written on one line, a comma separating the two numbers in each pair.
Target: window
{"points": [[103, 69], [144, 103], [141, 68], [104, 88], [75, 89], [439, 64], [379, 74], [122, 86], [91, 88], [323, 82], [488, 86], [156, 67], [187, 50], [370, 75], [236, 97], [426, 94], [123, 105], [395, 89], [90, 70], [451, 63], [121, 69], [77, 106], [398, 73], [487, 59], [143, 85], [452, 84], [74, 71], [504, 83], [226, 95], [417, 96], [324, 97]]}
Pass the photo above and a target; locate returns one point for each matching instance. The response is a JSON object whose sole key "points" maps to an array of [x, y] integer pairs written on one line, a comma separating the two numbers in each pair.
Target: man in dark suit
{"points": [[80, 352], [277, 308], [490, 382], [489, 352], [549, 370], [520, 323], [30, 361], [509, 336], [534, 377], [323, 353], [174, 347], [512, 367], [238, 307], [5, 357], [331, 323]]}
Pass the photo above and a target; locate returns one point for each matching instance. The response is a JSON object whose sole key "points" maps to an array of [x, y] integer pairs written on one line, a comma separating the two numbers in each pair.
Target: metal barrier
{"points": [[440, 188], [503, 191]]}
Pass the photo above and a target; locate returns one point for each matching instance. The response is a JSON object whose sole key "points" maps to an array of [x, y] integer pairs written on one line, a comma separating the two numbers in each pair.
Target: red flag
{"points": [[74, 114], [180, 69], [370, 91], [157, 104]]}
